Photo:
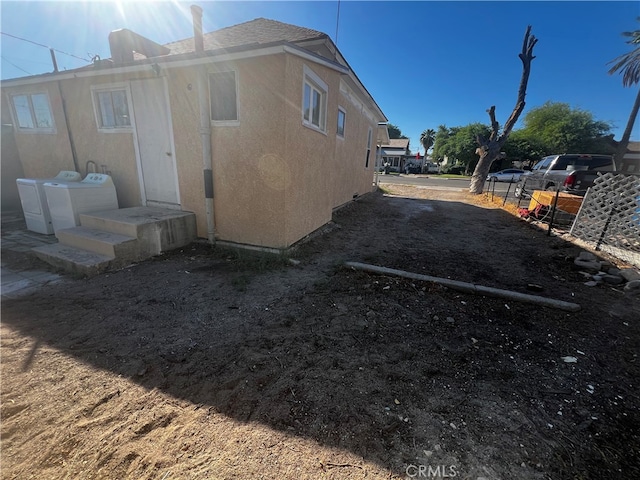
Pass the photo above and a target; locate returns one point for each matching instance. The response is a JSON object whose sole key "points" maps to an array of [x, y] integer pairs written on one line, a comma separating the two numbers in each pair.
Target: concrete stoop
{"points": [[116, 238]]}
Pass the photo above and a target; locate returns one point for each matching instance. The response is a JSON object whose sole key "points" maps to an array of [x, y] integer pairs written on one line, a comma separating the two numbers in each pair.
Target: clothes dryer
{"points": [[34, 201]]}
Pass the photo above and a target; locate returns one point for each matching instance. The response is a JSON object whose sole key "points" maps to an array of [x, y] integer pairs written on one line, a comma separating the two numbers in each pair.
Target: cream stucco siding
{"points": [[114, 151], [327, 171], [308, 202], [43, 155], [355, 173], [249, 165], [275, 180]]}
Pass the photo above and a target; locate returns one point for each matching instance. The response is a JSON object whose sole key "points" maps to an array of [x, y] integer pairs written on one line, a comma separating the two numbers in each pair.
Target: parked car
{"points": [[508, 175], [571, 173], [431, 167], [412, 168]]}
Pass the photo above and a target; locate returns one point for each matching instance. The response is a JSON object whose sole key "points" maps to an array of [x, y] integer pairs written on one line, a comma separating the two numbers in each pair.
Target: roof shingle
{"points": [[398, 143], [258, 31]]}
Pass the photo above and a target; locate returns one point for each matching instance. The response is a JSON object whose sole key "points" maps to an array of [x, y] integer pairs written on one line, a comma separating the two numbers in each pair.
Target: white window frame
{"points": [[111, 87], [367, 163], [344, 122], [35, 128], [225, 123], [315, 84]]}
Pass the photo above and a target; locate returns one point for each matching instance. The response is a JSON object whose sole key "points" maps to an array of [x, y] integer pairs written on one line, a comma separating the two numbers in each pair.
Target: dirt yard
{"points": [[211, 364]]}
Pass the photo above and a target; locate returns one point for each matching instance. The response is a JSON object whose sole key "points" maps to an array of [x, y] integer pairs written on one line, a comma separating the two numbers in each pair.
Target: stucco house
{"points": [[394, 153], [261, 129], [631, 160]]}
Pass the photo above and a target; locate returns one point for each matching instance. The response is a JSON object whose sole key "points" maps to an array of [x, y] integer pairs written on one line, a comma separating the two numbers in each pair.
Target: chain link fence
{"points": [[609, 218]]}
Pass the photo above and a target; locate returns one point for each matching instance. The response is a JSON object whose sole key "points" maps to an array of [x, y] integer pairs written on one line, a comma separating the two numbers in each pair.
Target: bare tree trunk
{"points": [[624, 142], [489, 149], [487, 157]]}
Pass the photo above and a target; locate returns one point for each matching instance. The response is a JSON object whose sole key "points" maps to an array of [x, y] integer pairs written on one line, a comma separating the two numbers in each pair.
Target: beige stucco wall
{"points": [[354, 174], [43, 155], [10, 166], [116, 151], [250, 166], [248, 163], [326, 171], [275, 180]]}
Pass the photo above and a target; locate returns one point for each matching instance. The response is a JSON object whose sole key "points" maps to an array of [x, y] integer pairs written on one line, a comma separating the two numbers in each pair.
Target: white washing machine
{"points": [[68, 200], [34, 200]]}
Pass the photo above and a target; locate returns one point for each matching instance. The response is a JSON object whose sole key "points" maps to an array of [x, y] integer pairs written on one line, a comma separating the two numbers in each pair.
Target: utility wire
{"points": [[45, 46], [14, 65]]}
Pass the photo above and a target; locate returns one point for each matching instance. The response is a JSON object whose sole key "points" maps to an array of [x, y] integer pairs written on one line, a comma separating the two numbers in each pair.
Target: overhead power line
{"points": [[16, 66], [45, 46]]}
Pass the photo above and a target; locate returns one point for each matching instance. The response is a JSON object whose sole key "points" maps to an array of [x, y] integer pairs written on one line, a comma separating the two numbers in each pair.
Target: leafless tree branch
{"points": [[489, 149], [495, 126], [526, 56]]}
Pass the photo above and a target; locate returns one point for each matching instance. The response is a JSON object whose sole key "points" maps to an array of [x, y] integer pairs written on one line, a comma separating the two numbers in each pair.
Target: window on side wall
{"points": [[369, 137], [33, 113], [342, 116], [224, 97], [111, 107], [314, 101]]}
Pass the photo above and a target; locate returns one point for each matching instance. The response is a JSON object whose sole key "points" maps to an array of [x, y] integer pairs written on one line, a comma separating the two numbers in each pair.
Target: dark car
{"points": [[571, 173]]}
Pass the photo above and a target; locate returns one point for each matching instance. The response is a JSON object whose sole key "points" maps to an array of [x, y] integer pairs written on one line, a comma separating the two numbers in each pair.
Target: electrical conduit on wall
{"points": [[205, 125]]}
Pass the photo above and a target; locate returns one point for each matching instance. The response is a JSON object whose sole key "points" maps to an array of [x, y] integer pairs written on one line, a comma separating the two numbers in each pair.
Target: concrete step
{"points": [[158, 229], [101, 242], [74, 260]]}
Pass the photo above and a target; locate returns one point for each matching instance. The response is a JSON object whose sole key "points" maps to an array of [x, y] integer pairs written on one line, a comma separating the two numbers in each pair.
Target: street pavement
{"points": [[433, 181]]}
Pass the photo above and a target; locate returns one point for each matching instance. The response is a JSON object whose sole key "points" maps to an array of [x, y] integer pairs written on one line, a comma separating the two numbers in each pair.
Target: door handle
{"points": [[169, 154]]}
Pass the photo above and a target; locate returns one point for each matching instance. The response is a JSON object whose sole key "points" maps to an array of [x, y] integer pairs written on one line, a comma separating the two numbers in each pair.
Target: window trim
{"points": [[225, 123], [344, 122], [315, 82], [111, 87], [369, 143], [35, 129]]}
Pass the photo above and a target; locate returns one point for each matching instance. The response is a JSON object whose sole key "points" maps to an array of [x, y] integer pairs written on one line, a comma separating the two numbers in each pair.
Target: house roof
{"points": [[633, 147], [258, 31], [397, 143], [256, 37]]}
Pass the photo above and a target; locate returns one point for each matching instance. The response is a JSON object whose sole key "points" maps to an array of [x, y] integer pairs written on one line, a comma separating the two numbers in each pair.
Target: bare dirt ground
{"points": [[206, 363]]}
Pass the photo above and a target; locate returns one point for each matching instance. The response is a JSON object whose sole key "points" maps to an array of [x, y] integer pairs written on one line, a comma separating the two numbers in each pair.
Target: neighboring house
{"points": [[261, 129], [394, 153], [631, 160]]}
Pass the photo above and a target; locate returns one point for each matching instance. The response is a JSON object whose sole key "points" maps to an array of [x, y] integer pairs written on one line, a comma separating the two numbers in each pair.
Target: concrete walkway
{"points": [[18, 275]]}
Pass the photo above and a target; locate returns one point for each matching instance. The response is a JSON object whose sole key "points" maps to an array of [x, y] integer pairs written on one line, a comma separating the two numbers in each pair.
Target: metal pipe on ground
{"points": [[469, 287]]}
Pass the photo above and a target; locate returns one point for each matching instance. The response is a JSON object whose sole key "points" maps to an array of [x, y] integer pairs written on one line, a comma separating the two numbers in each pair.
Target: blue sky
{"points": [[426, 63]]}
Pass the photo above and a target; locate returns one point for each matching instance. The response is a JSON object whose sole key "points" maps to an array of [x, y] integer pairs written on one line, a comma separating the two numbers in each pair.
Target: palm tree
{"points": [[629, 65], [427, 139]]}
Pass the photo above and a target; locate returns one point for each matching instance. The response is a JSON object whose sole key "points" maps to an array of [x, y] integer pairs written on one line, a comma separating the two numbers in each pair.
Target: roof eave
{"points": [[352, 74], [179, 61]]}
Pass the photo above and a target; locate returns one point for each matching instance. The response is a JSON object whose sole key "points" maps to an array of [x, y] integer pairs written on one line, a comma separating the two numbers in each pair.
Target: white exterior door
{"points": [[154, 138]]}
